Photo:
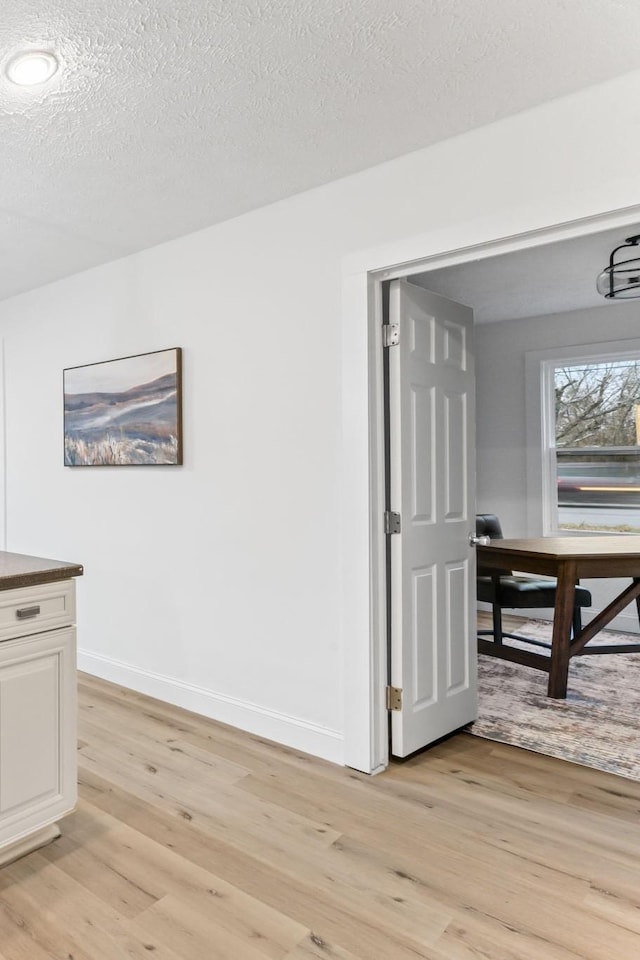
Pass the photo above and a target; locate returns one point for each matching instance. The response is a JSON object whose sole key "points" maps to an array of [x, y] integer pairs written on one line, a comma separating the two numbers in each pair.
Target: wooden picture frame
{"points": [[125, 412]]}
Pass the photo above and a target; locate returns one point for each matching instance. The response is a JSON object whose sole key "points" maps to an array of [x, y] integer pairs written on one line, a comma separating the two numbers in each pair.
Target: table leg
{"points": [[561, 639], [496, 611]]}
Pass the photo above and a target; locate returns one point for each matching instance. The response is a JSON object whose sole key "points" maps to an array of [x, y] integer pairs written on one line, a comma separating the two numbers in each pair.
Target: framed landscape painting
{"points": [[124, 413]]}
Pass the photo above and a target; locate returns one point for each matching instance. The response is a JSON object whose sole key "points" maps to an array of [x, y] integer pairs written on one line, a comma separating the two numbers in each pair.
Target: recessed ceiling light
{"points": [[31, 67]]}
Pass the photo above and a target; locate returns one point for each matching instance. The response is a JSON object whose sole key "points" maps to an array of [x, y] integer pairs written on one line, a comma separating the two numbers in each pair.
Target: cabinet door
{"points": [[37, 731]]}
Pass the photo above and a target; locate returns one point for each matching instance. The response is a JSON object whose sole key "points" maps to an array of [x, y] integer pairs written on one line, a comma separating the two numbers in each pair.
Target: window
{"points": [[597, 445], [588, 439]]}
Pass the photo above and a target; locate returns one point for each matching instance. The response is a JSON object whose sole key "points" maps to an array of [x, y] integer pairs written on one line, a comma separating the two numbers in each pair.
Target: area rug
{"points": [[598, 725]]}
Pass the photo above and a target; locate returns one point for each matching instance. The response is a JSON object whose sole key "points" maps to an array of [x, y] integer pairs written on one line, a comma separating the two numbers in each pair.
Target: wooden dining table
{"points": [[569, 559]]}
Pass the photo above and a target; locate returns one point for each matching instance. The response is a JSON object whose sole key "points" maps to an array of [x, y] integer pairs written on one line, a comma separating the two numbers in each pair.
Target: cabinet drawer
{"points": [[36, 609]]}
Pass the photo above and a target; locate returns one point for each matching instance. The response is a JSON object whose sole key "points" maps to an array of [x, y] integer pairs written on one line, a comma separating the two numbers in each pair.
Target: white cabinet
{"points": [[38, 782]]}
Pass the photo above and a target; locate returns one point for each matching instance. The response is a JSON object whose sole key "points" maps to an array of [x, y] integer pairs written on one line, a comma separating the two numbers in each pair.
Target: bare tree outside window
{"points": [[596, 404]]}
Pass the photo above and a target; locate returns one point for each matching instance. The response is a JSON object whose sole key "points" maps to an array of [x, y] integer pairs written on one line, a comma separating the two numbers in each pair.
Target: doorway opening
{"points": [[366, 715]]}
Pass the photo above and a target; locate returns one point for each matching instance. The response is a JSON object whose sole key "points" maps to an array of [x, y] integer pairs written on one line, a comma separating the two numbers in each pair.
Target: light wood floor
{"points": [[193, 841], [508, 622]]}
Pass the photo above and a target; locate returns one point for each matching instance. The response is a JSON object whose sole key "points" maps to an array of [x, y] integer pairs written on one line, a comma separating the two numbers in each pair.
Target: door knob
{"points": [[475, 541]]}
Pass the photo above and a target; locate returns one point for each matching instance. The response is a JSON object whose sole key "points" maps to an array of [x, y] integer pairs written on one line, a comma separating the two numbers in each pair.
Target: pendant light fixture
{"points": [[621, 279]]}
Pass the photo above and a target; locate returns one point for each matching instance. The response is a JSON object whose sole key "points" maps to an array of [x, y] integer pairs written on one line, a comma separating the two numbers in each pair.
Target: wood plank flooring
{"points": [[193, 841]]}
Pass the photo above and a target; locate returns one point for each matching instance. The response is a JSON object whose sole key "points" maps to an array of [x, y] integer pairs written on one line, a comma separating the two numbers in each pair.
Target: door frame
{"points": [[362, 561]]}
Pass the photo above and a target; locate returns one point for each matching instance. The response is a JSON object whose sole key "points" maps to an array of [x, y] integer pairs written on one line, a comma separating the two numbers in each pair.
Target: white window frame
{"points": [[540, 366]]}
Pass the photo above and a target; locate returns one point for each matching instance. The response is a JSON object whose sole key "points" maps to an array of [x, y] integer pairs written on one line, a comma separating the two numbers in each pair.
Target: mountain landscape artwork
{"points": [[124, 412]]}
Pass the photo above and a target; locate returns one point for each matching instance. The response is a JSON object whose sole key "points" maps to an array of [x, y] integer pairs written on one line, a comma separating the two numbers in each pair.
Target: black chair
{"points": [[504, 590]]}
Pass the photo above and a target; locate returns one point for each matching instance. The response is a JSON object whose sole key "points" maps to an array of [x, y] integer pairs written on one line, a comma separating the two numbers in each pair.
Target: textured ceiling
{"points": [[551, 278], [170, 115]]}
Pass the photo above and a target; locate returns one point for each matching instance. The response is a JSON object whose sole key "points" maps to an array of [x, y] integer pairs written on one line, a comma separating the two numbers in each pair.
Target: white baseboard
{"points": [[290, 731], [626, 622]]}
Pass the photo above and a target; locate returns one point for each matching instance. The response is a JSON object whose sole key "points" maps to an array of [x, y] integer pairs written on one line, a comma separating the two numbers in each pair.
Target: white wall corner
{"points": [[3, 448]]}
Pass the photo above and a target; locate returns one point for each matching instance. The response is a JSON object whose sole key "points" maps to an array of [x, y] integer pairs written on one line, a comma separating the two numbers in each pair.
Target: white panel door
{"points": [[432, 481]]}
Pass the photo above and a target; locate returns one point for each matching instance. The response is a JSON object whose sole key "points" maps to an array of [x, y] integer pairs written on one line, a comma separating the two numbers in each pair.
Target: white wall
{"points": [[217, 585], [501, 348]]}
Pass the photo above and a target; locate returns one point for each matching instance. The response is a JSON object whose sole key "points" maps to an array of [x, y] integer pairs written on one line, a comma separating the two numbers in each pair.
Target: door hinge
{"points": [[390, 334], [394, 698], [391, 522]]}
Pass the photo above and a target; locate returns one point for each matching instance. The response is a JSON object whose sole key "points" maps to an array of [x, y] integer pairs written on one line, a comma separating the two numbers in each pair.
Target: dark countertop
{"points": [[21, 570]]}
